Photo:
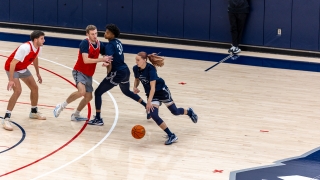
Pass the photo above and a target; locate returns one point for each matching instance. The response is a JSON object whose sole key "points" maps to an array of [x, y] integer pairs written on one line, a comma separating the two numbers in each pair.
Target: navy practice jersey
{"points": [[149, 73], [114, 49]]}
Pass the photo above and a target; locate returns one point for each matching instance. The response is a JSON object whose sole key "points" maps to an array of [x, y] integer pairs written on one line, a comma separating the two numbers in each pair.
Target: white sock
{"points": [[33, 106], [64, 104], [8, 112], [77, 113]]}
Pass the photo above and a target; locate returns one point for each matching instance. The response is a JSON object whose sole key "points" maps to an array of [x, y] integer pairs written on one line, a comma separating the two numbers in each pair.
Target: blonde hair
{"points": [[90, 28], [155, 60]]}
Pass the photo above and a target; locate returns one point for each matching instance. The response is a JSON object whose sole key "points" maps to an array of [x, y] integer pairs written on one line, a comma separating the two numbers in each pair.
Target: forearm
{"points": [[136, 83], [11, 71], [151, 94], [91, 61], [36, 66]]}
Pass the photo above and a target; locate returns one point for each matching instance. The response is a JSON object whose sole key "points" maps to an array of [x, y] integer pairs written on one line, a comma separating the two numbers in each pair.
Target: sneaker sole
{"points": [[173, 141], [97, 124], [79, 119]]}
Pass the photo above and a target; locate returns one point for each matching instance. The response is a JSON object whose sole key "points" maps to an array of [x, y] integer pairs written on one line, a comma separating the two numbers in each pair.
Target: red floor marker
{"points": [[264, 131], [182, 83], [217, 171]]}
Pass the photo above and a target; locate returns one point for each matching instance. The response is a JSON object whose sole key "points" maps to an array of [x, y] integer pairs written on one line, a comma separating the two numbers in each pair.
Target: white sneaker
{"points": [[6, 124], [236, 50], [37, 115], [57, 110], [231, 50], [78, 118]]}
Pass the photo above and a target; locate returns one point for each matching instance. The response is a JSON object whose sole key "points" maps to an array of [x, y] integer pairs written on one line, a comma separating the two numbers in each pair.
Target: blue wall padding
{"points": [[197, 19], [145, 17], [120, 13], [46, 12], [305, 24], [277, 16], [170, 18]]}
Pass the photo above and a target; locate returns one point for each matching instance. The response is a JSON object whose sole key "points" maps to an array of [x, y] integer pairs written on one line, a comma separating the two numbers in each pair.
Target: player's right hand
{"points": [[10, 85]]}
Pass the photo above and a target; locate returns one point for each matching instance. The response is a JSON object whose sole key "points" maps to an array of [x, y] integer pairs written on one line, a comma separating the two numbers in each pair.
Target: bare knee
{"points": [[88, 98], [81, 93], [17, 92], [34, 88]]}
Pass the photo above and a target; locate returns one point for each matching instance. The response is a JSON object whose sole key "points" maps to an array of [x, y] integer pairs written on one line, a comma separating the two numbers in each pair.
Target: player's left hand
{"points": [[39, 78], [149, 107]]}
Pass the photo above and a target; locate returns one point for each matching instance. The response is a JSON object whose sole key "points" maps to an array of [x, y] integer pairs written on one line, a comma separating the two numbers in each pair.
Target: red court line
{"points": [[4, 146], [81, 130], [37, 105]]}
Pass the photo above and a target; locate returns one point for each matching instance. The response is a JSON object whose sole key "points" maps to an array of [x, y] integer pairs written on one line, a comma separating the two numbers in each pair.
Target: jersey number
{"points": [[119, 46]]}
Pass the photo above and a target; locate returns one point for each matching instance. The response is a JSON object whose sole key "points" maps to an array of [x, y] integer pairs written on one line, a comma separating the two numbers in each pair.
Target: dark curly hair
{"points": [[114, 29]]}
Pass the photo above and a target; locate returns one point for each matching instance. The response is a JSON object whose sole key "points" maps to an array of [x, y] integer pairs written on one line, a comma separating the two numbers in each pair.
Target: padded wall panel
{"points": [[305, 25], [197, 19], [95, 12], [21, 11], [120, 13], [70, 13], [253, 32], [277, 16], [220, 26], [170, 18], [46, 12], [145, 17], [5, 10]]}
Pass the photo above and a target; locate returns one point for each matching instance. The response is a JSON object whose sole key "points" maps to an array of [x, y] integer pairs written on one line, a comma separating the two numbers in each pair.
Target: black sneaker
{"points": [[173, 138], [95, 121], [192, 115]]}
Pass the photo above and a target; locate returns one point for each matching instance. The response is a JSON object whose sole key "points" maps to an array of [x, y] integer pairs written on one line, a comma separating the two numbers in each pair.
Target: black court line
{"points": [[22, 138]]}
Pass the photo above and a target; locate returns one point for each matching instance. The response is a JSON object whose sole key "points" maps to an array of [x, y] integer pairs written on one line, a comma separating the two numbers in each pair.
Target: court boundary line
{"points": [[24, 134], [89, 109], [95, 146]]}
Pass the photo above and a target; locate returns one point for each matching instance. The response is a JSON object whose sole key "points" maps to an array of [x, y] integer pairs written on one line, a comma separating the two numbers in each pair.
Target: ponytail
{"points": [[155, 60]]}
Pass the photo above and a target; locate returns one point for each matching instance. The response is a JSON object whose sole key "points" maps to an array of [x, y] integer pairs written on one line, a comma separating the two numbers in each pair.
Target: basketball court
{"points": [[249, 117]]}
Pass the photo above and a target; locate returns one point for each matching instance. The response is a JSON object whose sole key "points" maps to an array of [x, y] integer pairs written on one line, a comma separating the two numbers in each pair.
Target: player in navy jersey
{"points": [[157, 92], [119, 73]]}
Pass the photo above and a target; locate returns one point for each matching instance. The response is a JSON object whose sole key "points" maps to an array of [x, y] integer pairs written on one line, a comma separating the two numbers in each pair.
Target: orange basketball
{"points": [[138, 131]]}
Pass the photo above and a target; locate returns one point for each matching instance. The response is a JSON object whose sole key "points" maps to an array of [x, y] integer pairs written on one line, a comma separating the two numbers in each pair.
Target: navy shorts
{"points": [[162, 96], [120, 76]]}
